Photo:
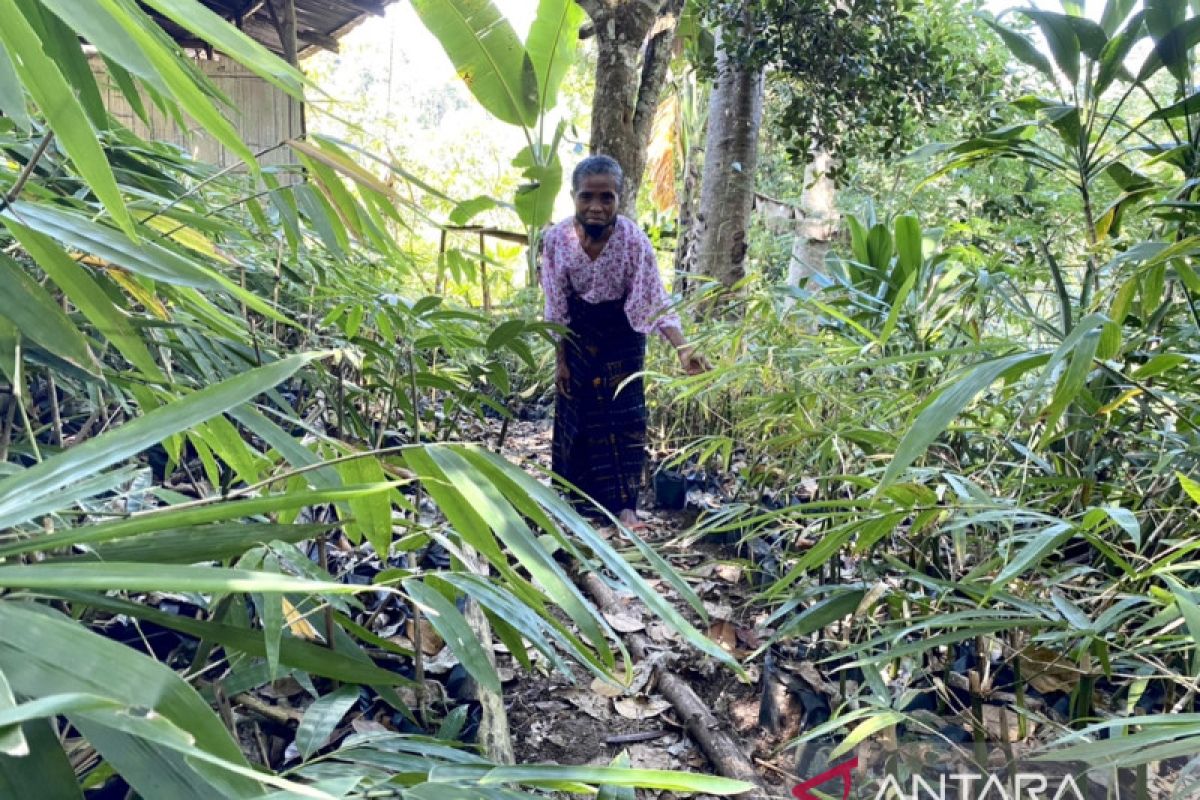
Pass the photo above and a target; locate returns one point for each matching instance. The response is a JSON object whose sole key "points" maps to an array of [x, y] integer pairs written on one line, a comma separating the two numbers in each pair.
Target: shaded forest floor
{"points": [[589, 722]]}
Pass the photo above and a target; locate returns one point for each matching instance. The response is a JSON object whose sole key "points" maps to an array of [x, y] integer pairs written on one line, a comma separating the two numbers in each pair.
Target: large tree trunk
{"points": [[818, 224], [627, 92], [730, 158]]}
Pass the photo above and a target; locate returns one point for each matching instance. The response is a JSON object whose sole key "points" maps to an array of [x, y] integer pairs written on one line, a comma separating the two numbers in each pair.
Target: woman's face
{"points": [[596, 203]]}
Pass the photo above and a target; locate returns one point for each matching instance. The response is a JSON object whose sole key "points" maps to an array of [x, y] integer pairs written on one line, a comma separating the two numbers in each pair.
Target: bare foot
{"points": [[630, 520]]}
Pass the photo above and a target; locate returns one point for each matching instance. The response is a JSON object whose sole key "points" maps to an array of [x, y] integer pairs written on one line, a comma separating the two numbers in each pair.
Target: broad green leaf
{"points": [[1115, 12], [452, 626], [348, 665], [56, 100], [87, 295], [938, 415], [535, 200], [879, 248], [1172, 45], [200, 543], [40, 319], [1038, 547], [322, 718], [146, 258], [168, 518], [44, 772], [12, 739], [489, 57], [19, 490], [372, 513], [1189, 486], [822, 614], [12, 94], [909, 255], [44, 660], [465, 211], [1072, 382], [552, 42], [135, 577], [1061, 38], [870, 725], [1023, 49]]}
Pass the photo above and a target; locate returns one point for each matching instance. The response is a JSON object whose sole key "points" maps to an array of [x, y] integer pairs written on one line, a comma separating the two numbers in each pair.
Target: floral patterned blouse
{"points": [[626, 267]]}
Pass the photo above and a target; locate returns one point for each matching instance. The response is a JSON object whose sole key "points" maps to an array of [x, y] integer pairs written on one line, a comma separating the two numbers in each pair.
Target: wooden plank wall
{"points": [[263, 114]]}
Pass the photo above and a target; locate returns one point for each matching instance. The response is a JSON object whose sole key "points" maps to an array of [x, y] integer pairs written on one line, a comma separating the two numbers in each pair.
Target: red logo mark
{"points": [[843, 769]]}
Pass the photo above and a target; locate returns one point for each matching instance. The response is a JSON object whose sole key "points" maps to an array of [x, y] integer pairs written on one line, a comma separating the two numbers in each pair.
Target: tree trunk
{"points": [[685, 243], [730, 158], [627, 93], [819, 222]]}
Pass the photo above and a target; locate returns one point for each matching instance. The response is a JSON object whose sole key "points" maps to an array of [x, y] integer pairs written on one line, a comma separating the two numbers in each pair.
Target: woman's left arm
{"points": [[648, 310]]}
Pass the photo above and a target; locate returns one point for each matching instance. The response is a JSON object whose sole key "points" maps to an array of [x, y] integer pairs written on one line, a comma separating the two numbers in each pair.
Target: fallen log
{"points": [[700, 723]]}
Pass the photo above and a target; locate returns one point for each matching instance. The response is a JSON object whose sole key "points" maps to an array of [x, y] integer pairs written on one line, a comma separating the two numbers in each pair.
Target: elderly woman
{"points": [[601, 282]]}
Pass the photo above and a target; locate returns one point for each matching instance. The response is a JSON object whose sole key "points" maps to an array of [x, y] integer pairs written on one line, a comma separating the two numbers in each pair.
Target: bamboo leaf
{"points": [[12, 738], [147, 258], [56, 100], [87, 295], [938, 415], [44, 772], [44, 660], [349, 664], [40, 319], [322, 718], [135, 577], [1039, 546], [201, 543], [12, 94], [19, 490], [453, 628], [1191, 487], [372, 513]]}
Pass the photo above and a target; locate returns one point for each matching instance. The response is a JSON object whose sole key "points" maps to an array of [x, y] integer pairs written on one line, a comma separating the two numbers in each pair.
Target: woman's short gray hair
{"points": [[598, 165]]}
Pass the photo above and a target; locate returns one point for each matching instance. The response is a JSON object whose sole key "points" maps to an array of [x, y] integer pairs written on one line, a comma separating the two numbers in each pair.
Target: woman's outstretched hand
{"points": [[693, 362]]}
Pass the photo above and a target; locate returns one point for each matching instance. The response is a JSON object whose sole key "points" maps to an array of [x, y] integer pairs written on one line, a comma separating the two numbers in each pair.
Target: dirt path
{"points": [[588, 722]]}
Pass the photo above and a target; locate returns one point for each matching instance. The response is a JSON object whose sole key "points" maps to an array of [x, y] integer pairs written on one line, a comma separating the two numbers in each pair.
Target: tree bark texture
{"points": [[627, 89], [730, 158], [819, 222], [685, 244]]}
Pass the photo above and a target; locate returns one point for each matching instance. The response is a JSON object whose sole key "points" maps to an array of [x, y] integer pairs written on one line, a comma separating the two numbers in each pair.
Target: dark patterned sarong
{"points": [[600, 434]]}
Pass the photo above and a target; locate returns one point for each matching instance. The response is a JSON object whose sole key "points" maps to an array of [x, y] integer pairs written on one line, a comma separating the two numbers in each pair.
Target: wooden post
{"points": [[283, 15], [483, 277]]}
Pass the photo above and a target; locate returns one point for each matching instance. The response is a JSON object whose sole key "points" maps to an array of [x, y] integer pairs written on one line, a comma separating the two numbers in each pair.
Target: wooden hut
{"points": [[263, 114]]}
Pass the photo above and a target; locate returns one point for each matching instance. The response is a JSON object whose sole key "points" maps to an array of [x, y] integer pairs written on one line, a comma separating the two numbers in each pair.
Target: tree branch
{"points": [[654, 69]]}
